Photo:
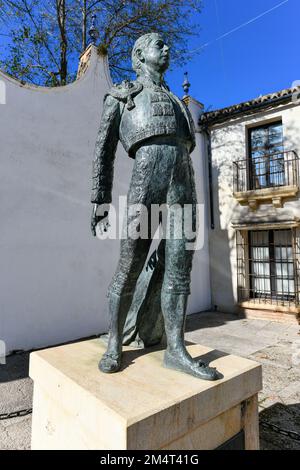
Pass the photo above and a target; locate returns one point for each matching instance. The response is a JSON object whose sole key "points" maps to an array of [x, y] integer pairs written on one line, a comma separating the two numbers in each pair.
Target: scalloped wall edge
{"points": [[94, 61]]}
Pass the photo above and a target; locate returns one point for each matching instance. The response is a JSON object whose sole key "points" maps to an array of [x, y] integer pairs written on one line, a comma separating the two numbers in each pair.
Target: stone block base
{"points": [[145, 406]]}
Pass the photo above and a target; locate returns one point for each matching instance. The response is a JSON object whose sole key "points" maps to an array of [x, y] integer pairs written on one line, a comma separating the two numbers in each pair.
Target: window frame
{"points": [[244, 278], [251, 149], [273, 277]]}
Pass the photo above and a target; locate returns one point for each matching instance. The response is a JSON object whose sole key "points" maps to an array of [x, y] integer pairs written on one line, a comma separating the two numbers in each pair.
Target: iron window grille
{"points": [[268, 266], [268, 165]]}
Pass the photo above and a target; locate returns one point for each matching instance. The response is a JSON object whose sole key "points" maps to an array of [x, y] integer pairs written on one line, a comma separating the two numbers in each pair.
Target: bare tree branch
{"points": [[51, 34]]}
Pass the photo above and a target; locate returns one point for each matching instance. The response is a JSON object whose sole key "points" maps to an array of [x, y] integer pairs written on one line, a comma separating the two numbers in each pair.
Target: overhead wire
{"points": [[237, 28]]}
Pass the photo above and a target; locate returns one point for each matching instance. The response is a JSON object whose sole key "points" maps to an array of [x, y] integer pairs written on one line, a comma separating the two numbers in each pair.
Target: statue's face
{"points": [[157, 55]]}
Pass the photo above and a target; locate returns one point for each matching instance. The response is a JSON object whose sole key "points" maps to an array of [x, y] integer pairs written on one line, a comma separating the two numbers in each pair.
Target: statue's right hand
{"points": [[96, 219]]}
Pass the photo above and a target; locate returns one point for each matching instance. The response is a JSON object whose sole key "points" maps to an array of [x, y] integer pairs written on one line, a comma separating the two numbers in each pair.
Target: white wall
{"points": [[200, 299], [53, 273]]}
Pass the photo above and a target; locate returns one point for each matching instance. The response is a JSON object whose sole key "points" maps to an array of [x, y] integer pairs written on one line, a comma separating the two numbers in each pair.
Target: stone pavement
{"points": [[15, 394], [275, 345]]}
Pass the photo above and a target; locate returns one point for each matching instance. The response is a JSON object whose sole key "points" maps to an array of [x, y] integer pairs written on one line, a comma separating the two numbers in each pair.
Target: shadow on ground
{"points": [[203, 320], [15, 368], [280, 417]]}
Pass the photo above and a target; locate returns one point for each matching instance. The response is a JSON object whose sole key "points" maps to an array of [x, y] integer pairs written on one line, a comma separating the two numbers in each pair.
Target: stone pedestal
{"points": [[145, 406]]}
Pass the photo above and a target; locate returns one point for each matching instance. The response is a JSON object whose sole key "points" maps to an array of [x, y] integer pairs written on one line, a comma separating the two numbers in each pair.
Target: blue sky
{"points": [[259, 58]]}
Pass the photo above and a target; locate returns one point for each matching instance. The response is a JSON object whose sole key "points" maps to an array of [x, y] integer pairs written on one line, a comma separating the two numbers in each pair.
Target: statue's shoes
{"points": [[197, 369], [110, 363], [207, 373]]}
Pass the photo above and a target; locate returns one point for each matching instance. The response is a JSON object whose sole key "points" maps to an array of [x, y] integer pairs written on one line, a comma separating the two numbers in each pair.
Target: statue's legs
{"points": [[121, 292], [162, 174], [118, 309], [174, 300], [178, 266], [176, 356], [133, 255]]}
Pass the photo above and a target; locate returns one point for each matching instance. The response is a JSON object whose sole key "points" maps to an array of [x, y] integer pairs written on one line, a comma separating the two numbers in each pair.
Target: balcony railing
{"points": [[275, 170]]}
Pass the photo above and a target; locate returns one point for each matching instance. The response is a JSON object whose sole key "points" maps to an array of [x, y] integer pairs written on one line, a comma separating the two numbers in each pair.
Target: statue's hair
{"points": [[141, 43]]}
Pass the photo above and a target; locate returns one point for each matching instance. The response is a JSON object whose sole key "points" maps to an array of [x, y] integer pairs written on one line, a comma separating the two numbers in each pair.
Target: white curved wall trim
{"points": [[93, 64]]}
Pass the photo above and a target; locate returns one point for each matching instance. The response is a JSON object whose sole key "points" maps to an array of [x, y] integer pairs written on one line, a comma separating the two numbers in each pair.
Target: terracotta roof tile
{"points": [[220, 115]]}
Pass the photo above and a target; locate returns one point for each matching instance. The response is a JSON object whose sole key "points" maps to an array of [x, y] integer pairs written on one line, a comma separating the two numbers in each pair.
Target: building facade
{"points": [[252, 151]]}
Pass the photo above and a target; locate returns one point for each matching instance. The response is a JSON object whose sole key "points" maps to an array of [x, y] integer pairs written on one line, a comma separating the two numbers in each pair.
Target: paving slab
{"points": [[16, 434], [15, 385], [230, 343]]}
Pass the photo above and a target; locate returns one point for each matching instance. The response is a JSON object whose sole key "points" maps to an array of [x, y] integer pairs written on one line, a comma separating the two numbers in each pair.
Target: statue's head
{"points": [[150, 52]]}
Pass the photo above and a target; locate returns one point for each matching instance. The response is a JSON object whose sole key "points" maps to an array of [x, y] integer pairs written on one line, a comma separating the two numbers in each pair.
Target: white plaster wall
{"points": [[53, 273], [200, 299], [229, 144]]}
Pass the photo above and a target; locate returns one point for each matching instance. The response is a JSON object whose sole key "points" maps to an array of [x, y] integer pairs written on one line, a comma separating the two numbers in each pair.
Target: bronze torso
{"points": [[135, 112], [156, 112]]}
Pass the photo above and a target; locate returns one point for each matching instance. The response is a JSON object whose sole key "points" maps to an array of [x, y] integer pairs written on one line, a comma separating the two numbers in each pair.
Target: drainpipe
{"points": [[210, 182]]}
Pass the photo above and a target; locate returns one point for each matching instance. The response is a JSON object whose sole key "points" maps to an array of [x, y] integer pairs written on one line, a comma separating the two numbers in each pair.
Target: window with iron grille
{"points": [[267, 165], [268, 266]]}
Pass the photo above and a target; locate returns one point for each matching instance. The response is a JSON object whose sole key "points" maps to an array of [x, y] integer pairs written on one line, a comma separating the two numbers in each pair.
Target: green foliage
{"points": [[46, 37]]}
